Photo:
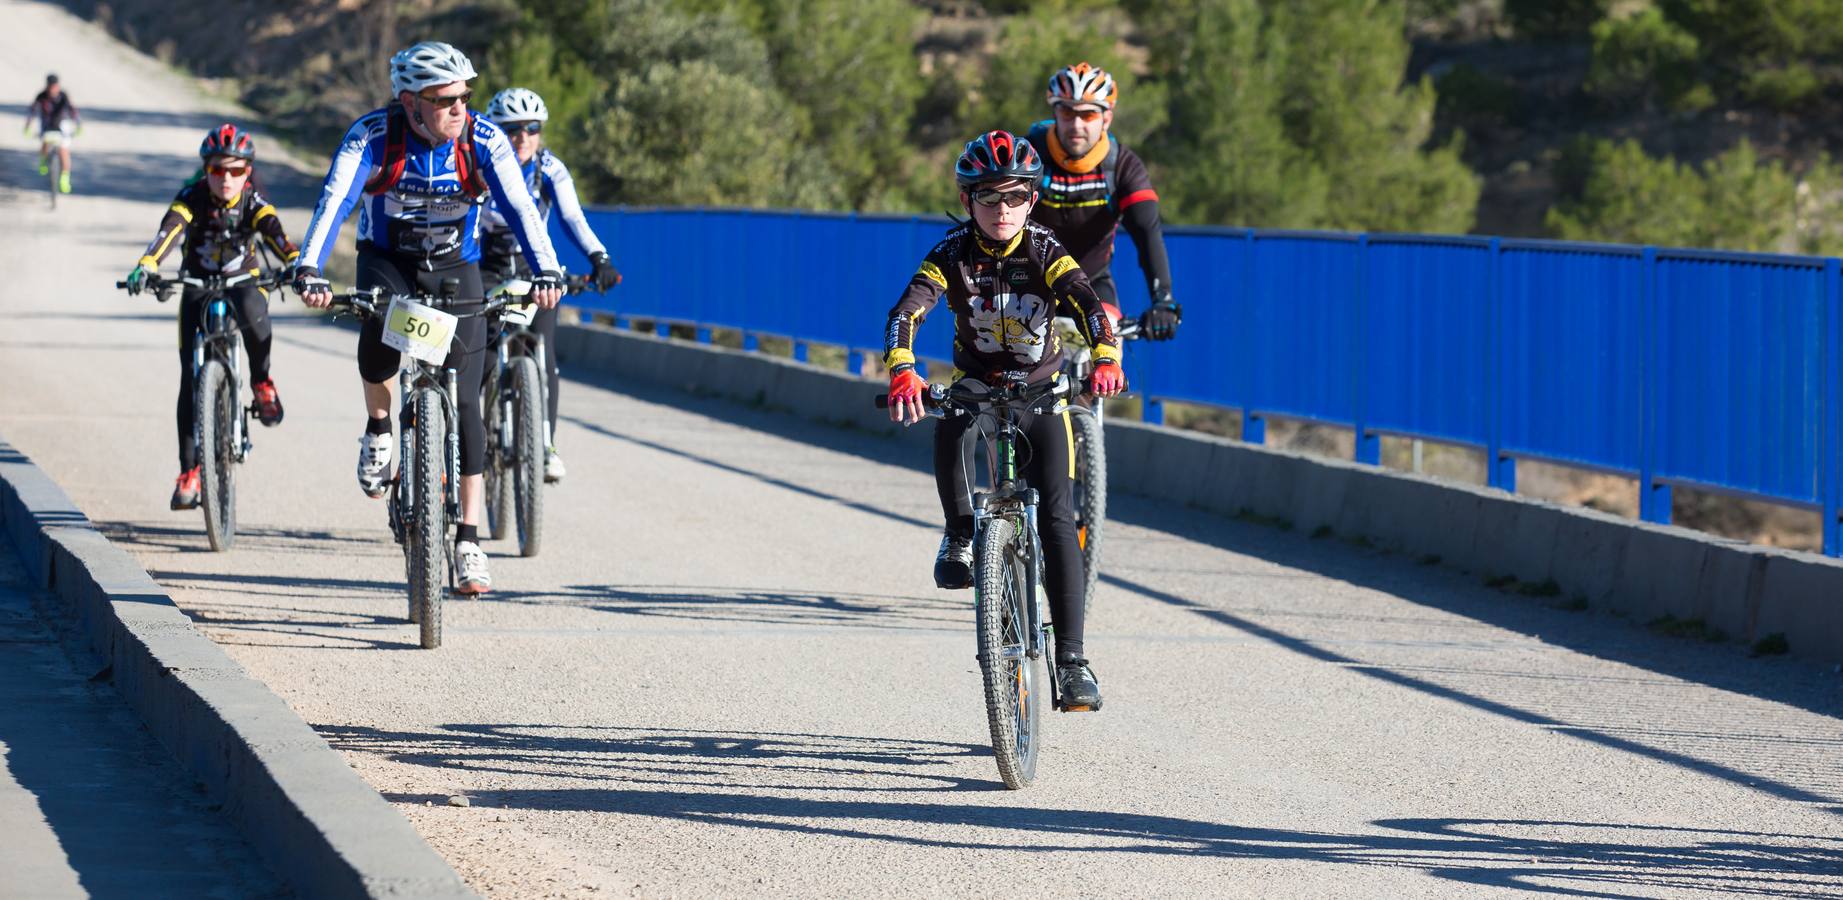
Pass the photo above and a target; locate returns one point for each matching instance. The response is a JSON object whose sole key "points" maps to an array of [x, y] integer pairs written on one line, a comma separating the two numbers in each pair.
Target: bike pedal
{"points": [[1078, 708]]}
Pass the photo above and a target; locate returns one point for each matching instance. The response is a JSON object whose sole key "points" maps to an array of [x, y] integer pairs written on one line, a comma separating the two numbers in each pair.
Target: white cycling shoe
{"points": [[374, 454], [553, 466], [470, 569]]}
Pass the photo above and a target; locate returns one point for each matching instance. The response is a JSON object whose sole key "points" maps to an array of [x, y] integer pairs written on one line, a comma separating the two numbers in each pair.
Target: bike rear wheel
{"points": [[216, 401], [528, 467], [1090, 497], [57, 170], [500, 457], [1013, 701], [428, 531]]}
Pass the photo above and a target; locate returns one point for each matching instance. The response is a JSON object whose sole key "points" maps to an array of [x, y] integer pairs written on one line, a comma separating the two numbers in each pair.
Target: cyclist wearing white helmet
{"points": [[1092, 185], [522, 114], [420, 166]]}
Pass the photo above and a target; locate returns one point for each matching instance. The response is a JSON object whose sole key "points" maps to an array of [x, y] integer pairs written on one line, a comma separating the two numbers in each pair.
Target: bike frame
{"points": [[512, 341]]}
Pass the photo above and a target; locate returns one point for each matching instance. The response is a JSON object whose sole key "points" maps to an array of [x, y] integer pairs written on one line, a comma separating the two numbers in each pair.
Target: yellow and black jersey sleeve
{"points": [[924, 291], [1069, 284], [270, 226], [177, 219]]}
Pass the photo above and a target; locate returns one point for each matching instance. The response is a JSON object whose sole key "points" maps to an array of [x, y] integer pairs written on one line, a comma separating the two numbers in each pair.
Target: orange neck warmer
{"points": [[1086, 163]]}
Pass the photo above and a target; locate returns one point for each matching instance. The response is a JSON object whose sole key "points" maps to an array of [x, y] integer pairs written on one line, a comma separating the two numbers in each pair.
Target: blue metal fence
{"points": [[1718, 371]]}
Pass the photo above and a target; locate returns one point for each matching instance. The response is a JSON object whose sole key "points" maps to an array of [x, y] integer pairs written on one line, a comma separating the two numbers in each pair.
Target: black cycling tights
{"points": [[1047, 455], [253, 313], [378, 364]]}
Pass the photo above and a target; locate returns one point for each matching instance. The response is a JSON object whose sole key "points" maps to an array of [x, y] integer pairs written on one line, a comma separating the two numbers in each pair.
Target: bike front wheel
{"points": [[216, 399], [1090, 497], [528, 466], [428, 530], [1013, 701]]}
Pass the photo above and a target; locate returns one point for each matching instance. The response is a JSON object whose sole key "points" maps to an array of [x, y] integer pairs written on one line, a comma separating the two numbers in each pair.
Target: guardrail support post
{"points": [[1253, 427], [1830, 479], [855, 361], [799, 351], [1368, 444], [703, 334], [1152, 411], [662, 328], [1653, 495], [1500, 467], [750, 342]]}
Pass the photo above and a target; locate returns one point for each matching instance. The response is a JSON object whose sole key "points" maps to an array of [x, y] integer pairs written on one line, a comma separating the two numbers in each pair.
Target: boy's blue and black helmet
{"points": [[997, 156]]}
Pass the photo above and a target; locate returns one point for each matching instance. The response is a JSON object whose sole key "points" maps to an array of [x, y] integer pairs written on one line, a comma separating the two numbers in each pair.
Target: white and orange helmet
{"points": [[1083, 83]]}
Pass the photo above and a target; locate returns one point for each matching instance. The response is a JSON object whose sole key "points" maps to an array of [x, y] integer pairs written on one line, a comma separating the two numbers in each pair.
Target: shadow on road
{"points": [[753, 606], [1785, 681], [679, 758], [719, 778], [143, 177]]}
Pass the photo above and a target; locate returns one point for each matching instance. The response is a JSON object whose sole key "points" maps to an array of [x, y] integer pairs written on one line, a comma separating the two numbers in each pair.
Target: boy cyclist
{"points": [[1004, 279], [220, 216]]}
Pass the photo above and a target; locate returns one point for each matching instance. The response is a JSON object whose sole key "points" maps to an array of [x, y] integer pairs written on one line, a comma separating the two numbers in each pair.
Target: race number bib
{"points": [[422, 332]]}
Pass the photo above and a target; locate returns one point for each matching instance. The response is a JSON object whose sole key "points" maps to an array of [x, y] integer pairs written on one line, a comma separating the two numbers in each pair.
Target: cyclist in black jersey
{"points": [[219, 215], [58, 122], [1092, 185], [1004, 279]]}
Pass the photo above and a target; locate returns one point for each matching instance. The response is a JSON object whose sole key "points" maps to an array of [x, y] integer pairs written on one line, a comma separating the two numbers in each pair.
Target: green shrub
{"points": [[1788, 88], [1645, 56], [1555, 19], [1468, 95]]}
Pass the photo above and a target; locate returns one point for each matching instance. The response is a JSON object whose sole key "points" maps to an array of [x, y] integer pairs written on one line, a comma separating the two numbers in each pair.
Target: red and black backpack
{"points": [[396, 133]]}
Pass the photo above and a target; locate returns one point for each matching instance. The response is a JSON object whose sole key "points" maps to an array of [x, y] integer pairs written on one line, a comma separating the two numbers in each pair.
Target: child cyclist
{"points": [[1004, 279], [220, 216]]}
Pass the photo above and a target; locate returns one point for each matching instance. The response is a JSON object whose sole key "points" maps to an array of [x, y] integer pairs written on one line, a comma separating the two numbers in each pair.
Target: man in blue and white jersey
{"points": [[522, 114], [418, 171]]}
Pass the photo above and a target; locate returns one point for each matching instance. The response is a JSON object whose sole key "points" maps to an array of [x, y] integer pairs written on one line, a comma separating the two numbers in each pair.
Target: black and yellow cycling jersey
{"points": [[1003, 300], [1085, 199], [219, 236]]}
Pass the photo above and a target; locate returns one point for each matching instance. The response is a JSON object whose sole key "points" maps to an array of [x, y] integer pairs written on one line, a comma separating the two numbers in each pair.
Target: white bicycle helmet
{"points": [[1083, 83], [427, 65], [517, 105]]}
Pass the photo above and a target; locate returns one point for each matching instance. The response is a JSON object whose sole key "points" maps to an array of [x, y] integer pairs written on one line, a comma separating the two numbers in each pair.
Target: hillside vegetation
{"points": [[1696, 122]]}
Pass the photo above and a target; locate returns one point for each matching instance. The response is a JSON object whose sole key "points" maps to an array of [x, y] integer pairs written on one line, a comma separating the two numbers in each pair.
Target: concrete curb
{"points": [[314, 821], [1643, 570]]}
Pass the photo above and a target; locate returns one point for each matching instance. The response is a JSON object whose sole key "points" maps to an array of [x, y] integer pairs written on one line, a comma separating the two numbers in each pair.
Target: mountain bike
{"points": [[424, 497], [517, 427], [1011, 607], [221, 432], [52, 140], [1090, 455]]}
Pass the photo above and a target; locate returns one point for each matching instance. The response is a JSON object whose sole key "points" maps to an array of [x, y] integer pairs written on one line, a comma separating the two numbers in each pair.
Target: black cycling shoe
{"points": [[1077, 690], [953, 565]]}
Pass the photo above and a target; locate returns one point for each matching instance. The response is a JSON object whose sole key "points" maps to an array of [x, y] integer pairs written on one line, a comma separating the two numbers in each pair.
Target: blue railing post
{"points": [[855, 361], [750, 342], [1500, 468], [1368, 445], [1830, 480], [1152, 412], [703, 334], [662, 328], [1253, 424], [799, 351], [1653, 496]]}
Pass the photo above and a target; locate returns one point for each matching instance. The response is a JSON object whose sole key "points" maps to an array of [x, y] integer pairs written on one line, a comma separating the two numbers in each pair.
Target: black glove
{"points": [[307, 278], [549, 278], [1161, 321], [605, 275]]}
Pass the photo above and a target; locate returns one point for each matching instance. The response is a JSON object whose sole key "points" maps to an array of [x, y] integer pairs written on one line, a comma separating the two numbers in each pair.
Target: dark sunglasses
{"points": [[447, 102], [528, 127], [228, 171], [1013, 199], [1070, 112]]}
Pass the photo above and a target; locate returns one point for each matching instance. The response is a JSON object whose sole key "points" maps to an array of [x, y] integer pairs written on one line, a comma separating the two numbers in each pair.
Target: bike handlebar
{"points": [[366, 302], [164, 287], [970, 395]]}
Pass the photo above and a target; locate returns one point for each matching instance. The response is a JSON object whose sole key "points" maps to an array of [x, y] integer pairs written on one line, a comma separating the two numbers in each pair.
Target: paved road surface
{"points": [[90, 803], [729, 674]]}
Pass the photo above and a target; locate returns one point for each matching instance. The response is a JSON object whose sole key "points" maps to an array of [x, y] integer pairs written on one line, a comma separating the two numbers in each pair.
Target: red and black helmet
{"points": [[227, 140], [997, 156]]}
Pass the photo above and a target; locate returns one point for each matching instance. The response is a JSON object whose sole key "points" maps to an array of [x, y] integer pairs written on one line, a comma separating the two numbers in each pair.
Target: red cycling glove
{"points": [[1108, 379], [905, 385]]}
